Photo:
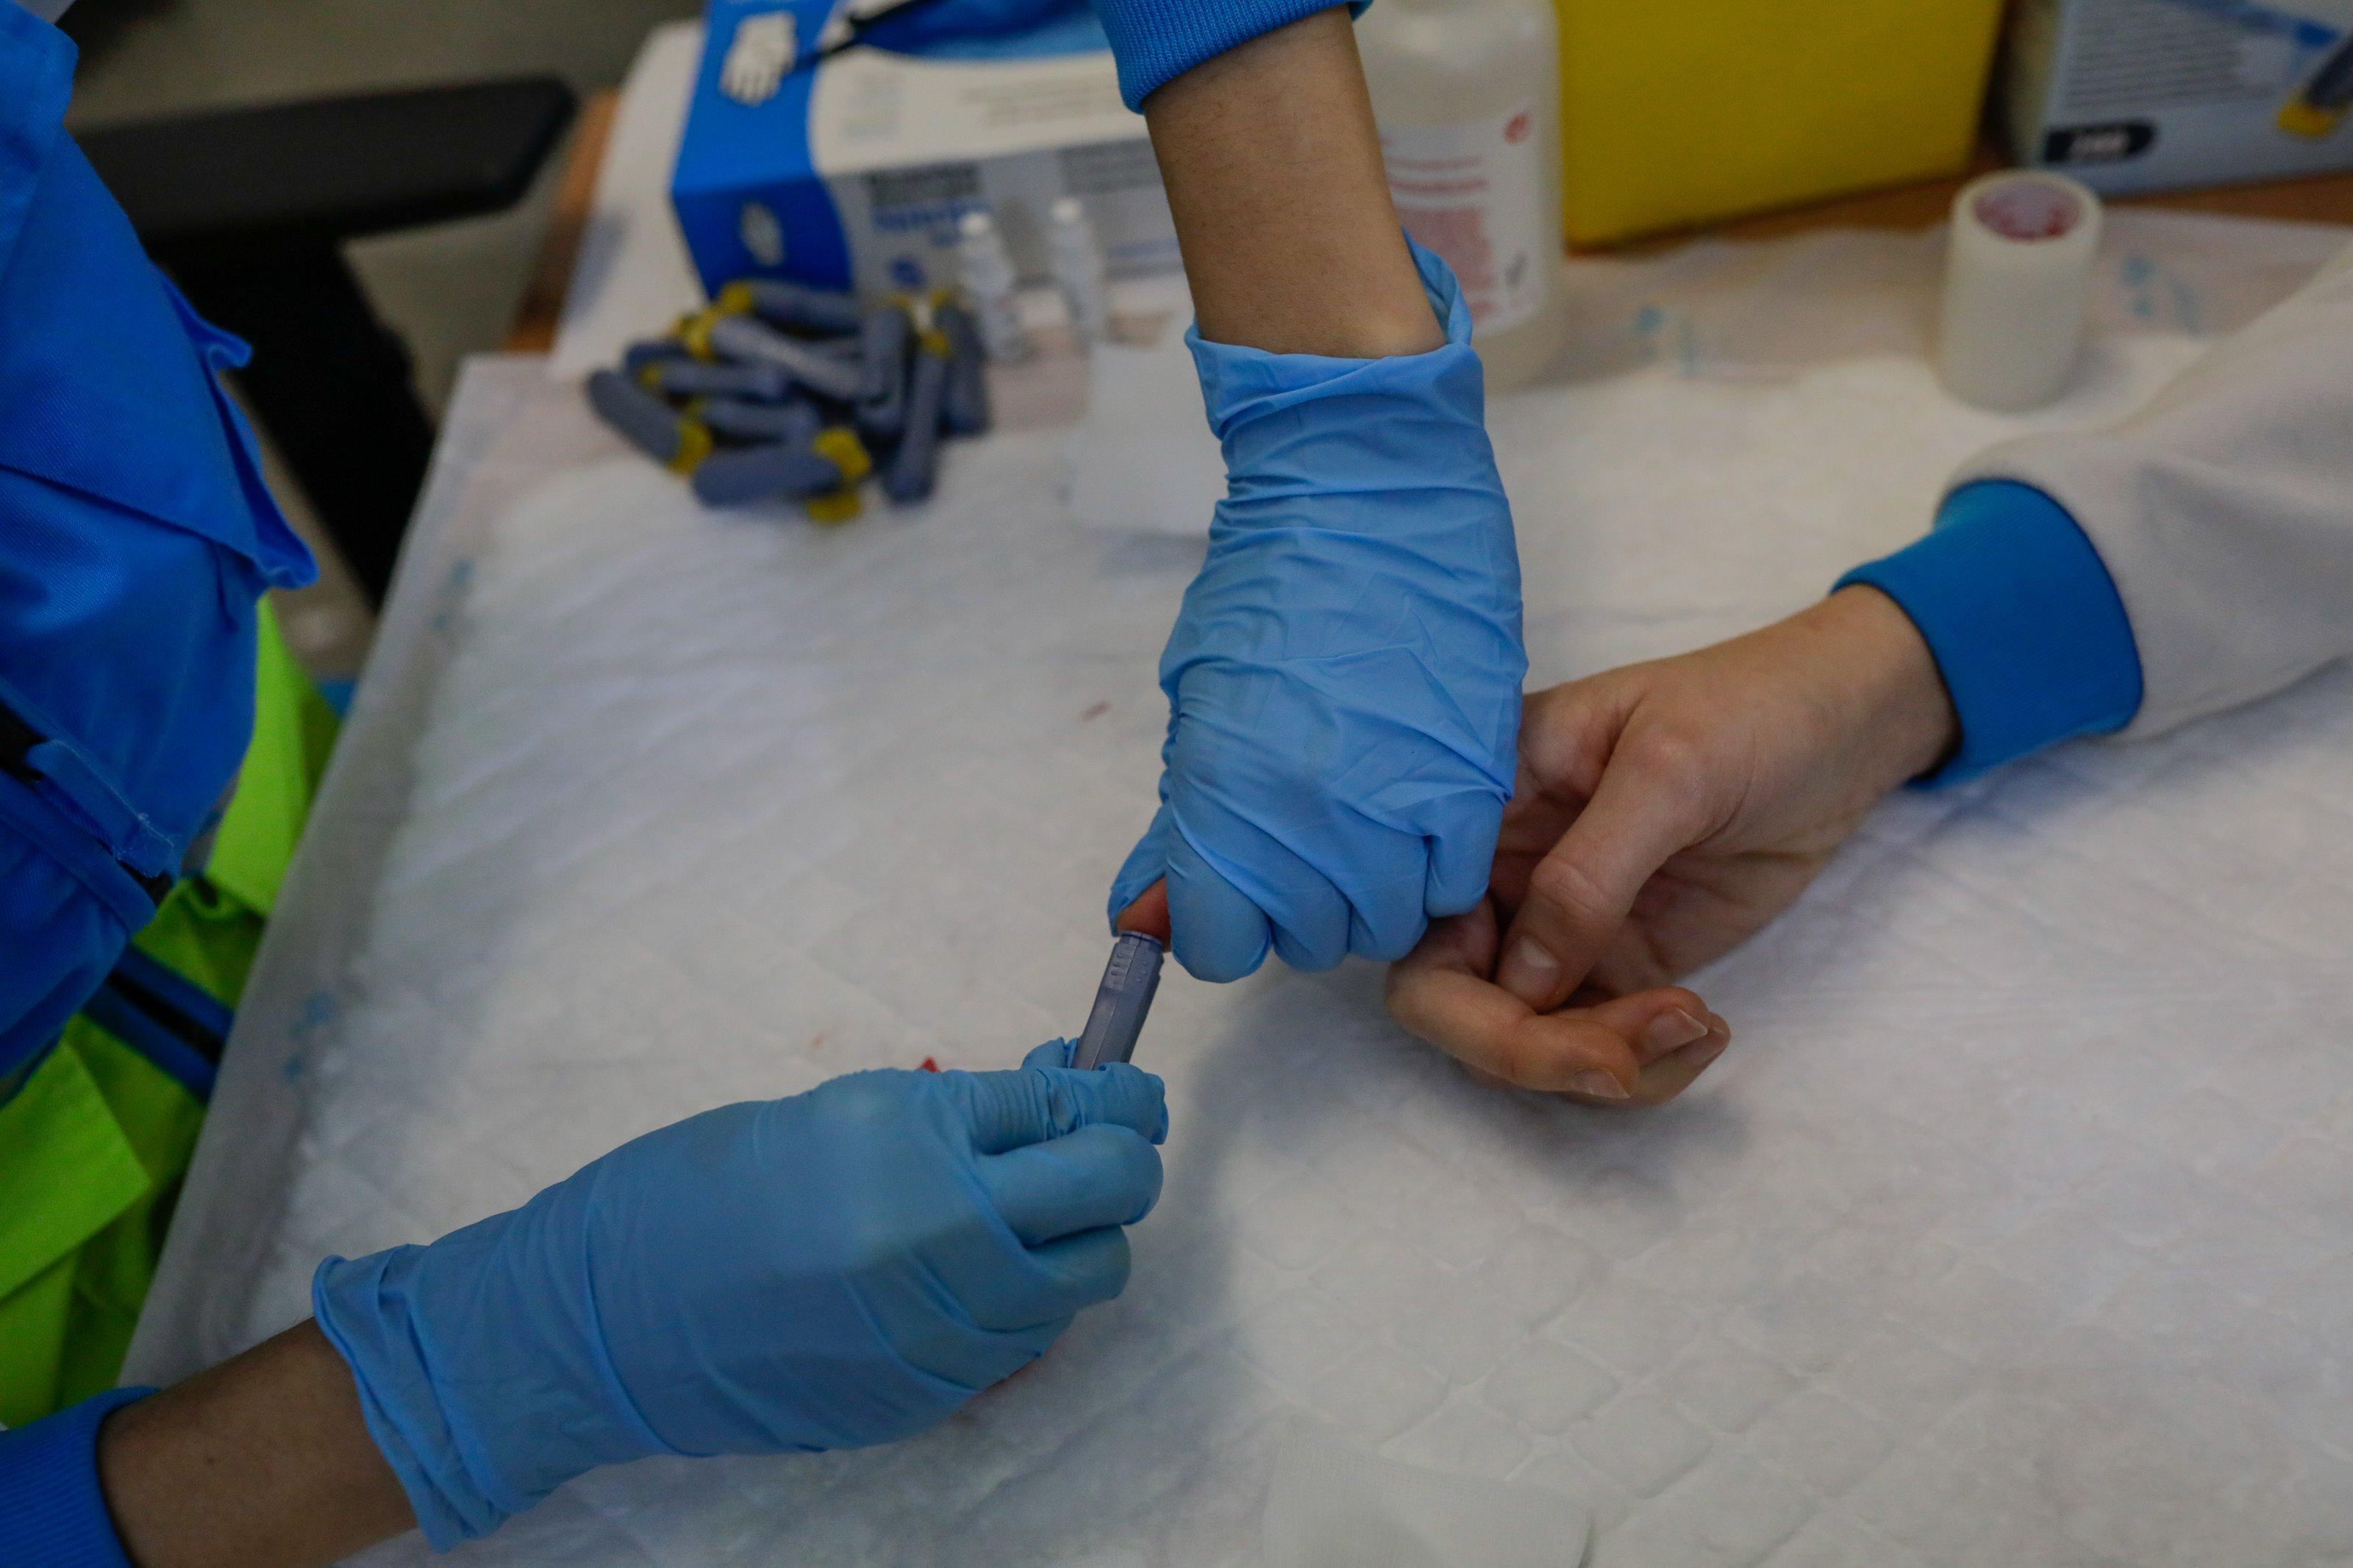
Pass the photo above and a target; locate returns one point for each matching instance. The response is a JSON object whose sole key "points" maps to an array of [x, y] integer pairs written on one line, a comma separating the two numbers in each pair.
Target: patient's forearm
{"points": [[262, 1462], [1282, 210]]}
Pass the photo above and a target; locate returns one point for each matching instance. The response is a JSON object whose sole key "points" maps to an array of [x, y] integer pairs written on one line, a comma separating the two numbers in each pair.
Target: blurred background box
{"points": [[1677, 113], [853, 172], [2141, 95]]}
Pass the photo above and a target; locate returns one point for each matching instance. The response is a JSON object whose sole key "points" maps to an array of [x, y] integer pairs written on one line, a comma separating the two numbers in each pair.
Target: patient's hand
{"points": [[1664, 813], [1629, 1050]]}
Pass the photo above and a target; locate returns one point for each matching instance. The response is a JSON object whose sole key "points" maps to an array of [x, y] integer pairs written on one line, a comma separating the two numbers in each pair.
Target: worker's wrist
{"points": [[259, 1460], [1434, 395], [2025, 624], [371, 1310], [1281, 205], [426, 1370]]}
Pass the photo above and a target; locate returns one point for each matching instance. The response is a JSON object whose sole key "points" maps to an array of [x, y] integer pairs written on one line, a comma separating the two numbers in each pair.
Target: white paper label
{"points": [[874, 109], [1474, 192]]}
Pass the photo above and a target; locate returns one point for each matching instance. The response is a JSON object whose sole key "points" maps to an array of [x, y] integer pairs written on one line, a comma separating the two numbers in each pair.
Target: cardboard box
{"points": [[1678, 113], [853, 172], [2139, 95]]}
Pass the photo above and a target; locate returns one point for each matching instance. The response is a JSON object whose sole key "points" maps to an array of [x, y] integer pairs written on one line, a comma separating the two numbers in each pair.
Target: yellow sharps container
{"points": [[1678, 111]]}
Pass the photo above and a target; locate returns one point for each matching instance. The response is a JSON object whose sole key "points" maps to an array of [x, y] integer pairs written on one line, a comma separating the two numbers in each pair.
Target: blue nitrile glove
{"points": [[1344, 679], [834, 1270]]}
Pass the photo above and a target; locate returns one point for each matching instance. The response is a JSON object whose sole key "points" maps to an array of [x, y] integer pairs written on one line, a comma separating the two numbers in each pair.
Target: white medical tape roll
{"points": [[2017, 277]]}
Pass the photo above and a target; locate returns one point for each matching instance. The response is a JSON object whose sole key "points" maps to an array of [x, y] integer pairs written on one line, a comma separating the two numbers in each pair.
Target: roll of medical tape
{"points": [[2018, 278]]}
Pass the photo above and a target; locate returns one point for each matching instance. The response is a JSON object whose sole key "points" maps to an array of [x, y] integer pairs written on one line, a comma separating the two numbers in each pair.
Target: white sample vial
{"points": [[986, 272], [1467, 93], [1077, 262]]}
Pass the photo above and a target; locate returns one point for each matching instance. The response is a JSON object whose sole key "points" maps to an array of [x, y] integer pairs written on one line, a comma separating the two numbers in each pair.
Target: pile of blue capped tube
{"points": [[778, 392]]}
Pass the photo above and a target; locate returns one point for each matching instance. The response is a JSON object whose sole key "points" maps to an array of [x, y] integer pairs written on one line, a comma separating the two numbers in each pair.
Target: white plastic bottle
{"points": [[1468, 96], [987, 273], [1077, 262]]}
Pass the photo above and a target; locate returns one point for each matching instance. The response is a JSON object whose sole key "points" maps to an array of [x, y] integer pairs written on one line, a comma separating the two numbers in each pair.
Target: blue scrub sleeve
{"points": [[136, 536], [1153, 41], [988, 29], [52, 1514], [61, 934], [2023, 620]]}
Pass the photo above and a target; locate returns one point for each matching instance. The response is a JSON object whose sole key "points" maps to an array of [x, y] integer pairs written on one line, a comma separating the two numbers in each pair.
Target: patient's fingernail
{"points": [[1529, 971], [1593, 1081], [1673, 1030]]}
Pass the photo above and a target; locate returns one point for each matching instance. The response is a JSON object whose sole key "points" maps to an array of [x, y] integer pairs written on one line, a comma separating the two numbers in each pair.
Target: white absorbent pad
{"points": [[1142, 459], [1329, 1504], [2014, 1228]]}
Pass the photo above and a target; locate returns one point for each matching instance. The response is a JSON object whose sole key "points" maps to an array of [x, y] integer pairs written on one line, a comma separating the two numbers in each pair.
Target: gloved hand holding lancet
{"points": [[844, 1268]]}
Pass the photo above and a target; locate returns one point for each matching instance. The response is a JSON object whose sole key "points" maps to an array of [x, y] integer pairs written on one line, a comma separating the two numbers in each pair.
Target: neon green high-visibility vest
{"points": [[95, 1139]]}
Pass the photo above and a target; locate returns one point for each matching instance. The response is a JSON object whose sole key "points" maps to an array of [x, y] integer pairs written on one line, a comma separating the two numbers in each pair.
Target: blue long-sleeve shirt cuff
{"points": [[1153, 41], [52, 1514], [2023, 620]]}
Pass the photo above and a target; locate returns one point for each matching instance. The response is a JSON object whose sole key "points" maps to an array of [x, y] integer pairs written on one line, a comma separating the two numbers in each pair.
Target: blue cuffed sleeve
{"points": [[2023, 620], [1155, 41], [52, 1514]]}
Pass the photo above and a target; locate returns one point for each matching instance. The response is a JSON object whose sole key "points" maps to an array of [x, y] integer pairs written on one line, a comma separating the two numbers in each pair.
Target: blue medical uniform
{"points": [[136, 541]]}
